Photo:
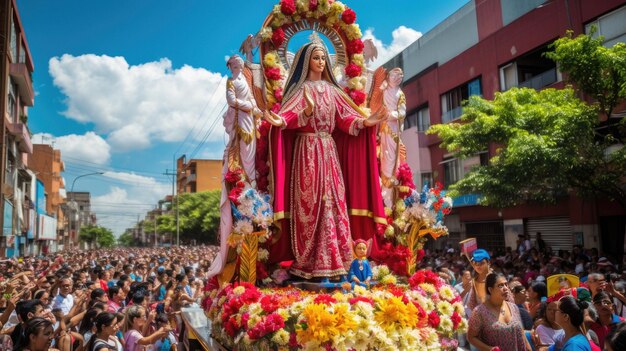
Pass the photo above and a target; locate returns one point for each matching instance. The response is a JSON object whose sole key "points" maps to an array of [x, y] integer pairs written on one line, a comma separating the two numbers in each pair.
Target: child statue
{"points": [[360, 270]]}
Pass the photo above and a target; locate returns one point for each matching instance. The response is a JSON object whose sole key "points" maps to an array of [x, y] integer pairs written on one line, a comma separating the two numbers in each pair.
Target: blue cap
{"points": [[480, 254]]}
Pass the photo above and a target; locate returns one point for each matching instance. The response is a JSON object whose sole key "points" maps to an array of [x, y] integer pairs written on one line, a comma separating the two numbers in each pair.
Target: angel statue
{"points": [[240, 121], [392, 151], [326, 190]]}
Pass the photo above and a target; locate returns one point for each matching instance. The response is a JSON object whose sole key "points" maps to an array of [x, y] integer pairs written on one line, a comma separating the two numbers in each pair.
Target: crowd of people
{"points": [[115, 300], [505, 293], [130, 299]]}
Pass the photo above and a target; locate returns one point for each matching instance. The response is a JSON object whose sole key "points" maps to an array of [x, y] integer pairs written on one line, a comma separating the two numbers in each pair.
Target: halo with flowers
{"points": [[333, 19]]}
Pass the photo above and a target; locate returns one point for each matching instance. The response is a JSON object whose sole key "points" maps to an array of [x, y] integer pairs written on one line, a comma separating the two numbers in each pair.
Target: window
{"points": [[11, 100], [532, 70], [426, 178], [610, 26], [13, 47], [451, 101], [423, 119], [451, 171], [454, 169], [419, 118]]}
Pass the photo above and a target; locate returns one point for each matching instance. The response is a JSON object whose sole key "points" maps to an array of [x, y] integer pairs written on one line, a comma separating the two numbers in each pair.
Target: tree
{"points": [[549, 144], [101, 236], [126, 239], [598, 71], [199, 217]]}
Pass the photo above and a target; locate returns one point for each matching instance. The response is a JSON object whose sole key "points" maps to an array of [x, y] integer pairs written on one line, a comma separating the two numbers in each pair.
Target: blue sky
{"points": [[124, 85]]}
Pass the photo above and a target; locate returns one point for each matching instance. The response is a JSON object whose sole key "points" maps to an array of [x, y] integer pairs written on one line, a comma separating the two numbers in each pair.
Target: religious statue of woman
{"points": [[326, 191], [240, 121], [391, 147]]}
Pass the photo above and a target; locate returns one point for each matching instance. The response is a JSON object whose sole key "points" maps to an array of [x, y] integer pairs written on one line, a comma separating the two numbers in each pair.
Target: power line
{"points": [[208, 133], [199, 117]]}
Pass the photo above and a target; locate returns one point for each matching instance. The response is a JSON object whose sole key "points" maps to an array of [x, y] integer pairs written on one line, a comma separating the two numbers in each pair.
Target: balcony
{"points": [[190, 179], [20, 74], [540, 81], [22, 137], [451, 115]]}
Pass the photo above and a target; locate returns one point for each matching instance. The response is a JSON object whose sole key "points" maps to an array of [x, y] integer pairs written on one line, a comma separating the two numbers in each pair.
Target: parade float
{"points": [[295, 202]]}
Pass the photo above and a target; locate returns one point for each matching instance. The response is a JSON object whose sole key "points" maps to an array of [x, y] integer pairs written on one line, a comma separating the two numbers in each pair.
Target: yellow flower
{"points": [[320, 325], [271, 59], [344, 318], [389, 232], [358, 59], [400, 206], [459, 308], [281, 337], [266, 33], [352, 31], [239, 290], [388, 279], [445, 308], [393, 313], [446, 292], [428, 288]]}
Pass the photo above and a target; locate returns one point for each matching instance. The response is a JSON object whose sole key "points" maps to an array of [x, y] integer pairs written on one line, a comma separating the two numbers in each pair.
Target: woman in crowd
{"points": [[496, 324], [37, 336], [105, 325], [548, 331], [607, 320], [536, 294], [569, 316], [136, 325], [477, 292]]}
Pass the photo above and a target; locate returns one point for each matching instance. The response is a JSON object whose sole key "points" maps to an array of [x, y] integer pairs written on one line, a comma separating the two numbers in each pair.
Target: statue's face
{"points": [[235, 67], [395, 78], [317, 61], [360, 250]]}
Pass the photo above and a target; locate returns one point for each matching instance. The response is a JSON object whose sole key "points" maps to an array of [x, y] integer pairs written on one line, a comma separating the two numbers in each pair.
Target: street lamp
{"points": [[72, 192]]}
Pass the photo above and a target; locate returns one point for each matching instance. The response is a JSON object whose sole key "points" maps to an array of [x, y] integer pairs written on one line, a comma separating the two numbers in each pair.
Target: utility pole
{"points": [[174, 175]]}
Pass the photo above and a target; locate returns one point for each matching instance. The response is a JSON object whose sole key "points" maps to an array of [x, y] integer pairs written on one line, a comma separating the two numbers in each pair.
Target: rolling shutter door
{"points": [[555, 231], [489, 235]]}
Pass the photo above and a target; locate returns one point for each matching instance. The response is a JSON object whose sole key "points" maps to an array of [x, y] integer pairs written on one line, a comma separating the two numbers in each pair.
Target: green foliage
{"points": [[199, 217], [598, 71], [101, 236], [547, 148], [126, 239]]}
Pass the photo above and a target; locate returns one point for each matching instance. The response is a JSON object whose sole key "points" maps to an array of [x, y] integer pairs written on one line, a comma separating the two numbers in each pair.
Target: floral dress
{"points": [[508, 336]]}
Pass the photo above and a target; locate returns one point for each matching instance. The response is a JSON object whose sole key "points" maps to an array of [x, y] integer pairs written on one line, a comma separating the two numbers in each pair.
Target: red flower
{"points": [[233, 176], [278, 37], [324, 299], [278, 94], [234, 194], [357, 96], [261, 271], [361, 299], [287, 7], [270, 303], [380, 228], [293, 341], [348, 16], [240, 184], [269, 324], [419, 255], [456, 319], [312, 5], [353, 70], [433, 319], [355, 46], [272, 73]]}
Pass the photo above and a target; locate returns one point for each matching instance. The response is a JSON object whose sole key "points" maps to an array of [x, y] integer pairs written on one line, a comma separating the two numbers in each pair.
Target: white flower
{"points": [[243, 227], [445, 308], [281, 337], [445, 324], [262, 255], [446, 292]]}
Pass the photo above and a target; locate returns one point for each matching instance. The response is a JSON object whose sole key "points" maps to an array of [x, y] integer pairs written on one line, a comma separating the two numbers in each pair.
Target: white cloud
{"points": [[137, 105], [402, 37], [88, 146], [120, 207]]}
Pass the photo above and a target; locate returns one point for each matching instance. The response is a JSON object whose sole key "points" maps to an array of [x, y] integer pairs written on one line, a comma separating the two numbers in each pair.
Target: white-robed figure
{"points": [[240, 121], [391, 148]]}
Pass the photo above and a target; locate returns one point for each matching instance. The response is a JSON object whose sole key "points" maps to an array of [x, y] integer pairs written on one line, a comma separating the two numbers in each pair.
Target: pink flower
{"points": [[357, 96], [312, 5], [276, 107], [278, 94], [348, 16], [325, 299]]}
